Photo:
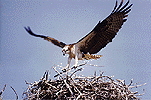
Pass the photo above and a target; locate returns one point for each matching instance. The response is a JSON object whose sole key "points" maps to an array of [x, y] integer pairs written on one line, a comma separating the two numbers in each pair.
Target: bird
{"points": [[98, 38]]}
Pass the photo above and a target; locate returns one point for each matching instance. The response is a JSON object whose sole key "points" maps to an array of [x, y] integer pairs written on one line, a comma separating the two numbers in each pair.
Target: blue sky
{"points": [[24, 57]]}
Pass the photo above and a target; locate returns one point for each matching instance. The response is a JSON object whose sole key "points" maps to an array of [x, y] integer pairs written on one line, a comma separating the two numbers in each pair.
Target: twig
{"points": [[75, 72], [101, 73], [64, 81], [74, 67], [58, 72], [141, 94], [95, 65], [137, 85], [28, 82], [75, 86], [45, 75], [15, 93], [71, 68], [130, 82], [3, 90]]}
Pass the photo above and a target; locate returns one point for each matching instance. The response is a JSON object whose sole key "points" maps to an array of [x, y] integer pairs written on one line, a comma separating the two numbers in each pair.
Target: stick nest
{"points": [[69, 86]]}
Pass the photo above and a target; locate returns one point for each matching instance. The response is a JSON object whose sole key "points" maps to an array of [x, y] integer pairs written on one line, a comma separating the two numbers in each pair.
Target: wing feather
{"points": [[104, 32], [124, 5], [52, 40], [115, 6], [119, 6]]}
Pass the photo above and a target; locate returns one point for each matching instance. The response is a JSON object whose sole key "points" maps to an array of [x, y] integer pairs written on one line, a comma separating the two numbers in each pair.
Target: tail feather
{"points": [[89, 56]]}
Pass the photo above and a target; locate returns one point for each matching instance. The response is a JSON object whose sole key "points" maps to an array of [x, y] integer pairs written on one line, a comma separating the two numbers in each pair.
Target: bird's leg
{"points": [[69, 61], [76, 57], [67, 67], [76, 61]]}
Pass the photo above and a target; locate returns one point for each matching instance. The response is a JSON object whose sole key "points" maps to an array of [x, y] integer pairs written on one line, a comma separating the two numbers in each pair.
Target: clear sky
{"points": [[24, 57]]}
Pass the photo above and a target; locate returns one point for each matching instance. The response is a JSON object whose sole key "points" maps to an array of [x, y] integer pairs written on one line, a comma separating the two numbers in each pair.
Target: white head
{"points": [[66, 49]]}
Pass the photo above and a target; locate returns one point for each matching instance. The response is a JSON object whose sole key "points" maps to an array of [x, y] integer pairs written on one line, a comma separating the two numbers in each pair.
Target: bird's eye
{"points": [[65, 50]]}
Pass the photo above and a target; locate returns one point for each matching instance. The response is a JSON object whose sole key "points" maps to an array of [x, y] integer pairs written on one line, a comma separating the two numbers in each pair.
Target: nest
{"points": [[69, 86]]}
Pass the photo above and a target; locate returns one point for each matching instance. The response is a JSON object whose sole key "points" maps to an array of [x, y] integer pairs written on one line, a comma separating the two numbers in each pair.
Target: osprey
{"points": [[98, 38]]}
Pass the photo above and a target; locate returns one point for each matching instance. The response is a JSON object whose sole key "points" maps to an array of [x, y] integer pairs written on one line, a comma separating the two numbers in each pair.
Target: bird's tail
{"points": [[89, 56]]}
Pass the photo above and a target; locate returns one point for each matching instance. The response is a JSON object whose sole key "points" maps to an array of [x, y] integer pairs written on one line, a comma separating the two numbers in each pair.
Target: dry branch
{"points": [[69, 86], [2, 92], [15, 93]]}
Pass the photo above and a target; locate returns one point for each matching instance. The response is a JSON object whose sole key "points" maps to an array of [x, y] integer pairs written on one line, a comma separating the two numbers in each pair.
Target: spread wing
{"points": [[104, 32], [54, 41]]}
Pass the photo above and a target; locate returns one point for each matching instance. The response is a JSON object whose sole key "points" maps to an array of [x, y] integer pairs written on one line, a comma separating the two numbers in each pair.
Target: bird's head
{"points": [[66, 50]]}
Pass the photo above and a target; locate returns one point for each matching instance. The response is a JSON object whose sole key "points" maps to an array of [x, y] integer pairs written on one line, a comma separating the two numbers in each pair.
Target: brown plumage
{"points": [[98, 38], [104, 32], [52, 40]]}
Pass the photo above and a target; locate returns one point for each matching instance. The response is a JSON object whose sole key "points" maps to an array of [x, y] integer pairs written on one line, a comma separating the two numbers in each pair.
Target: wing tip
{"points": [[33, 34], [121, 9], [124, 20], [114, 7], [54, 41], [27, 28]]}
